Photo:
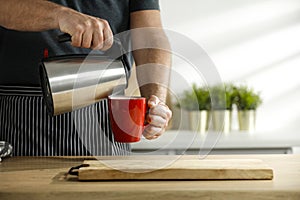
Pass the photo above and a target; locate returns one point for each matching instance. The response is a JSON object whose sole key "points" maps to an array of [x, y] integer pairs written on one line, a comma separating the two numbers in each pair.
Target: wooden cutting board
{"points": [[202, 169]]}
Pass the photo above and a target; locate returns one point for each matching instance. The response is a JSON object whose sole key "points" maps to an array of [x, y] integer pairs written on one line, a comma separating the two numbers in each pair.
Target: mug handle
{"points": [[147, 112]]}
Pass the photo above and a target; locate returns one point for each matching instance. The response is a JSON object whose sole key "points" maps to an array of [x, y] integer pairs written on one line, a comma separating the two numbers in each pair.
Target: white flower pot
{"points": [[221, 120], [247, 120], [197, 120], [208, 121]]}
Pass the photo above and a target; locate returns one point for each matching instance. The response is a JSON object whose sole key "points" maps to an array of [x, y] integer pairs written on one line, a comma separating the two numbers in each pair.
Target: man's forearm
{"points": [[152, 57], [29, 15], [153, 72]]}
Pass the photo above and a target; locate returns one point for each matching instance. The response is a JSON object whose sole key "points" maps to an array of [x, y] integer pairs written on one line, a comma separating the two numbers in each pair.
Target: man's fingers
{"points": [[161, 110], [153, 101], [157, 121], [97, 40], [108, 36], [77, 39], [103, 36], [156, 106], [88, 31], [152, 132], [87, 39], [158, 118]]}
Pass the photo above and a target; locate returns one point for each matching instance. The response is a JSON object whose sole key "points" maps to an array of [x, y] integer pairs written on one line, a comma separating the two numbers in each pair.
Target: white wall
{"points": [[256, 42]]}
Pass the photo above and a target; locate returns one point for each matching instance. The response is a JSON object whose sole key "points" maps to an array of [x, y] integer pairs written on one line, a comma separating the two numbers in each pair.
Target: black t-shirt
{"points": [[20, 52]]}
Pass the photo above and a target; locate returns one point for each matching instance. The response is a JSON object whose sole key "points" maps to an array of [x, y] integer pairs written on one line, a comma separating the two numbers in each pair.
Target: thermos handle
{"points": [[116, 51], [65, 37]]}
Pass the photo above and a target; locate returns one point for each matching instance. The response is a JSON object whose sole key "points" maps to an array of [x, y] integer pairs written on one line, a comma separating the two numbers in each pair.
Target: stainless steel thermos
{"points": [[71, 82]]}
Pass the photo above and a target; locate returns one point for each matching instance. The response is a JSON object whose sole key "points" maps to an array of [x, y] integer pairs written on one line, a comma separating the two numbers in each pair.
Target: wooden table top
{"points": [[44, 178]]}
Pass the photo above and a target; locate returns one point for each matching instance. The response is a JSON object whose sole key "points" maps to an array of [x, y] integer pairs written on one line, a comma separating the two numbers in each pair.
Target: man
{"points": [[27, 28]]}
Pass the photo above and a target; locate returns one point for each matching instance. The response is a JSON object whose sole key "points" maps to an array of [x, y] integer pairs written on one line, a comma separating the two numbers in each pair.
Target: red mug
{"points": [[127, 117]]}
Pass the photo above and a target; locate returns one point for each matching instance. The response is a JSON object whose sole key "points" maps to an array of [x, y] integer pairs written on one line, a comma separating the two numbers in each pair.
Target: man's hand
{"points": [[158, 118], [36, 15], [86, 31]]}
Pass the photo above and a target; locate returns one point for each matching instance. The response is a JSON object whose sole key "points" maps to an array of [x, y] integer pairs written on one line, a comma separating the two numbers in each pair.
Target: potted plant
{"points": [[197, 103], [221, 107], [247, 102]]}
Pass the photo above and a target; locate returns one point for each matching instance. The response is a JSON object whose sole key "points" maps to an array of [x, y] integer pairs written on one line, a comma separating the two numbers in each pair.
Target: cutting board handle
{"points": [[74, 170]]}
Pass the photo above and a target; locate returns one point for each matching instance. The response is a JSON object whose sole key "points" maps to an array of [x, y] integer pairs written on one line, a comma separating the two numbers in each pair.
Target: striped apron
{"points": [[25, 124]]}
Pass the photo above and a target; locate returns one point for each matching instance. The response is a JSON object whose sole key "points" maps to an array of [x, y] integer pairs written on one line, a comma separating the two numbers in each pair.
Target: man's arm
{"points": [[160, 58], [39, 15], [29, 15], [153, 67]]}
